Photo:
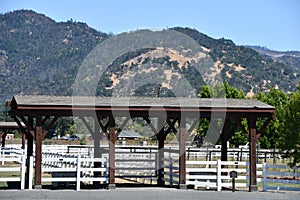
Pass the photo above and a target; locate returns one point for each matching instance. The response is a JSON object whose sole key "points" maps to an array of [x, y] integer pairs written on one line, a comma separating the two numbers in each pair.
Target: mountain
{"points": [[289, 58], [41, 56]]}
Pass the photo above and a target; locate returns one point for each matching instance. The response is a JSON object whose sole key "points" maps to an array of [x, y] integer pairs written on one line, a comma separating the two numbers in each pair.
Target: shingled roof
{"points": [[69, 101], [10, 125]]}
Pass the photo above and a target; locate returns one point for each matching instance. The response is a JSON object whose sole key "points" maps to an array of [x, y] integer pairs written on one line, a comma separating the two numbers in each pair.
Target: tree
{"points": [[221, 90], [65, 126], [278, 99], [289, 139]]}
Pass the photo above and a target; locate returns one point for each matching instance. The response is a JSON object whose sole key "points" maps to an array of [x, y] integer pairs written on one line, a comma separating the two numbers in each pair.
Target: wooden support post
{"points": [[252, 140], [160, 162], [112, 143], [182, 161], [161, 145], [23, 140], [97, 151], [29, 154], [4, 134], [38, 153], [225, 138], [97, 137]]}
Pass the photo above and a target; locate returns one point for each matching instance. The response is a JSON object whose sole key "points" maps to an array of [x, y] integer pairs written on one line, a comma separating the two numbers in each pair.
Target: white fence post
{"points": [[171, 171], [264, 173], [30, 176], [219, 180], [23, 170], [106, 170], [78, 172]]}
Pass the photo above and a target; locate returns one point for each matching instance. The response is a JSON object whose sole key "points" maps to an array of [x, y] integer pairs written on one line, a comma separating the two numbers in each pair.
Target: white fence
{"points": [[71, 169], [280, 177], [19, 170], [10, 152], [141, 163], [137, 165], [211, 174], [171, 171]]}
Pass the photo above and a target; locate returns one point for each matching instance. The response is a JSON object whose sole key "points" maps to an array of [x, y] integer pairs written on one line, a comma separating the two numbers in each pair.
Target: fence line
{"points": [[141, 162], [171, 171], [271, 172], [20, 178], [215, 174], [12, 153], [71, 169]]}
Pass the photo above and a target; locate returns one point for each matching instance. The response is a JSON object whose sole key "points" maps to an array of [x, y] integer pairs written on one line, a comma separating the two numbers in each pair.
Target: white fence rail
{"points": [[171, 171], [215, 174], [142, 163], [10, 152], [280, 177], [71, 169], [20, 170]]}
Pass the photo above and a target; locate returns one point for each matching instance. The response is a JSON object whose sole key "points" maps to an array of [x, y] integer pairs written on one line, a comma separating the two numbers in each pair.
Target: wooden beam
{"points": [[252, 159], [189, 132], [172, 124], [225, 138], [38, 152], [45, 119], [112, 142], [104, 128], [122, 126], [240, 125], [45, 131], [3, 136], [28, 124], [182, 155], [87, 125], [161, 145], [150, 124], [19, 124], [264, 126]]}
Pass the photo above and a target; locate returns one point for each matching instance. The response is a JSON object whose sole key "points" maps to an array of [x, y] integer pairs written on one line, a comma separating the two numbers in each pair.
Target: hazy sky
{"points": [[271, 23]]}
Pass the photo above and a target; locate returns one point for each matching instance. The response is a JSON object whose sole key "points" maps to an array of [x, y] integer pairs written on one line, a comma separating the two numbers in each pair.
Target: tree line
{"points": [[283, 132]]}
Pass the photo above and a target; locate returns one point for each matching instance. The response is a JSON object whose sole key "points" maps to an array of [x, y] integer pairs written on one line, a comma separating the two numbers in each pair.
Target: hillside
{"points": [[289, 58], [41, 56]]}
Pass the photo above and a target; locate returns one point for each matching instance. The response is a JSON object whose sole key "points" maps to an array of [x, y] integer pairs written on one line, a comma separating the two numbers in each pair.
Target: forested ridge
{"points": [[41, 56]]}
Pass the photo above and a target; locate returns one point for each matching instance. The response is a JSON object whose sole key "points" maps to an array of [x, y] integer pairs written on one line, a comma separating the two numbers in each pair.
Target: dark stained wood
{"points": [[3, 136], [112, 143], [38, 152], [252, 159], [161, 145], [43, 107], [182, 154], [225, 138]]}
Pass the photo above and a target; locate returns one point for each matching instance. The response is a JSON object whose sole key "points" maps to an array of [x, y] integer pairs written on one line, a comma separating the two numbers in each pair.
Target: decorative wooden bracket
{"points": [[240, 125], [45, 131], [122, 126], [264, 126], [28, 125], [151, 125]]}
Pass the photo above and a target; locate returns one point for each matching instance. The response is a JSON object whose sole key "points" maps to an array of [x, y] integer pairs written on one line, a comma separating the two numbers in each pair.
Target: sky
{"points": [[274, 24]]}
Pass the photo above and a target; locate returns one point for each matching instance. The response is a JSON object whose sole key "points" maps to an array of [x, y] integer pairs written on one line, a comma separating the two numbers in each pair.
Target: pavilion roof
{"points": [[78, 101], [10, 125]]}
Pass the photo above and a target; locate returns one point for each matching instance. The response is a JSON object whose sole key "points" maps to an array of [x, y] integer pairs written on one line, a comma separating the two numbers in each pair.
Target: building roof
{"points": [[42, 101], [129, 134], [137, 106], [10, 125]]}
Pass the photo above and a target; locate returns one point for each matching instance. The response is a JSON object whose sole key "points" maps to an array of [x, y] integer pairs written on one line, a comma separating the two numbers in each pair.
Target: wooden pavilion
{"points": [[7, 127], [39, 113]]}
